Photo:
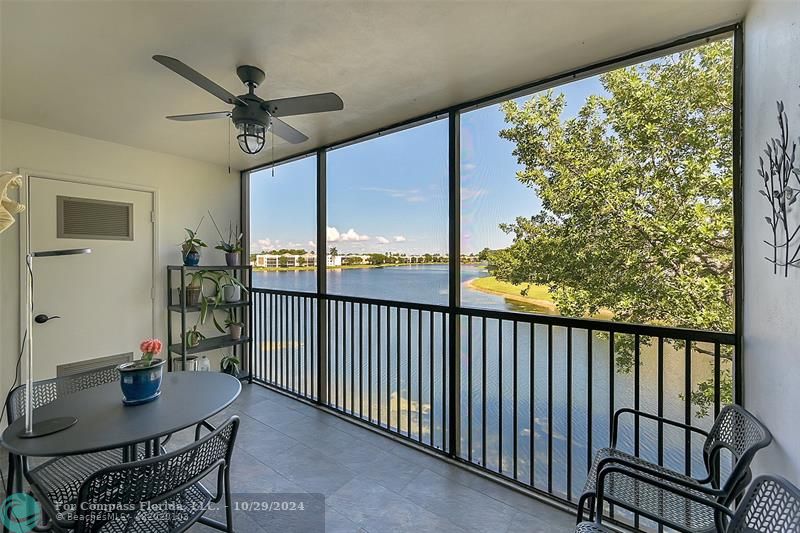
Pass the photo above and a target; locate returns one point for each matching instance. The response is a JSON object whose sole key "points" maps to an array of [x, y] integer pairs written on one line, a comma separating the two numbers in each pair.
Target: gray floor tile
{"points": [[378, 509], [310, 469], [466, 507]]}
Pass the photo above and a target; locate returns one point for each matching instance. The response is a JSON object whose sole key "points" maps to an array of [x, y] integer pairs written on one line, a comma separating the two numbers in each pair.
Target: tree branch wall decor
{"points": [[781, 190]]}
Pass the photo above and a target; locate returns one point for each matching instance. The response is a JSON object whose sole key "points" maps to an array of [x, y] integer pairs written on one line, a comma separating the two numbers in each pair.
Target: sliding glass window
{"points": [[283, 224], [387, 216]]}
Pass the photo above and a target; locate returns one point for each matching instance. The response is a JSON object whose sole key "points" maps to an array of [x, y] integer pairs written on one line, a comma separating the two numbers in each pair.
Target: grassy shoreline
{"points": [[538, 295]]}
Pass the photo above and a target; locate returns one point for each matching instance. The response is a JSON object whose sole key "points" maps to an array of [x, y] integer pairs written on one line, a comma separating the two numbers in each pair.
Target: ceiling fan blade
{"points": [[198, 79], [286, 132], [200, 116], [302, 105]]}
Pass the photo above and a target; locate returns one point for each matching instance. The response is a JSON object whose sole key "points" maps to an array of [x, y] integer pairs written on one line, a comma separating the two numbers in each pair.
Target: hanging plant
{"points": [[781, 189]]}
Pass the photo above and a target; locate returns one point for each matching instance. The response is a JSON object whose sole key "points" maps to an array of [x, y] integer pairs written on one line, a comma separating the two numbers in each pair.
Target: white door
{"points": [[104, 299]]}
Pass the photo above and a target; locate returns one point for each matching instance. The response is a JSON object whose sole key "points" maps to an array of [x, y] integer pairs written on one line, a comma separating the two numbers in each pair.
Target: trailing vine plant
{"points": [[781, 189]]}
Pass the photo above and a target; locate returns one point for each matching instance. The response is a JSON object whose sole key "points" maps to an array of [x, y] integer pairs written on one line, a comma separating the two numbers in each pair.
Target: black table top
{"points": [[104, 423]]}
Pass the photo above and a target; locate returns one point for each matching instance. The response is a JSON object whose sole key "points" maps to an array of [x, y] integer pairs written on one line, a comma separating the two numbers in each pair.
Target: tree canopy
{"points": [[636, 194]]}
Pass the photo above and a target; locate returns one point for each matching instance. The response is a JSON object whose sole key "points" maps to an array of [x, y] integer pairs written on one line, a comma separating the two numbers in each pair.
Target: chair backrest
{"points": [[772, 505], [49, 390], [132, 486], [742, 434]]}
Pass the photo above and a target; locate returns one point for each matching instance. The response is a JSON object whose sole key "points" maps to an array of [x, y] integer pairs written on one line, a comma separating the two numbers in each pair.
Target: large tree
{"points": [[636, 193]]}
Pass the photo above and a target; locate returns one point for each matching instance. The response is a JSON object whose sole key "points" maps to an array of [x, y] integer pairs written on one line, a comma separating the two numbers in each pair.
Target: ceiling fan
{"points": [[252, 115]]}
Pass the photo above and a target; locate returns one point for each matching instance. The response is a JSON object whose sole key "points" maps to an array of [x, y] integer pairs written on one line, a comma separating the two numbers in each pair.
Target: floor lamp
{"points": [[51, 425]]}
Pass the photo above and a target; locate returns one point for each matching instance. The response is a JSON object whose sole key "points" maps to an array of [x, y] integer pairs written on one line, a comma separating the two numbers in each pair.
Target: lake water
{"points": [[418, 415]]}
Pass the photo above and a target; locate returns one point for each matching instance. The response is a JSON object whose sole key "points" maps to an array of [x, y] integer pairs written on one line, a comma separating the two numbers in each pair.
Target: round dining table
{"points": [[105, 423]]}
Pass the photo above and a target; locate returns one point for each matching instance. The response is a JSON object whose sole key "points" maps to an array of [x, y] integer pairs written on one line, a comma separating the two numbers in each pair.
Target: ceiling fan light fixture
{"points": [[251, 137]]}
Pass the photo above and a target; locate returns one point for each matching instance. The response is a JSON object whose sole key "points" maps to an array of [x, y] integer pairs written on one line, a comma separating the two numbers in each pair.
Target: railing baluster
{"points": [[569, 413], [469, 389], [532, 406], [589, 395], [369, 360], [430, 378], [378, 376], [515, 370], [500, 395], [484, 373], [419, 375], [550, 408], [397, 373], [388, 367], [352, 357], [445, 384], [687, 407], [408, 372]]}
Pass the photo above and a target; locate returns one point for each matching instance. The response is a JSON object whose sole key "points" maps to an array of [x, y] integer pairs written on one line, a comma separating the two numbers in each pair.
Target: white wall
{"points": [[186, 190], [771, 303]]}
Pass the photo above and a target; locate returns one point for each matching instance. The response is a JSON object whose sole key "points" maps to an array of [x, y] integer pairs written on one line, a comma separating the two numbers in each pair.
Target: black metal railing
{"points": [[533, 395]]}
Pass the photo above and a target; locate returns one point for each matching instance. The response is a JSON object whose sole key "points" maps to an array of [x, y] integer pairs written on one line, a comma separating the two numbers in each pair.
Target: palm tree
{"points": [[334, 252]]}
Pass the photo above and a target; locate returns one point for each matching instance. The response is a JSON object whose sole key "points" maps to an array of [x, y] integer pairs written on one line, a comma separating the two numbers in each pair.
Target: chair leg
{"points": [[581, 504], [11, 471], [228, 502]]}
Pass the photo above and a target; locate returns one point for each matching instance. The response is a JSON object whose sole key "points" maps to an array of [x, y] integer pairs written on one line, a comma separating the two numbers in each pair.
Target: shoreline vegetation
{"points": [[345, 267], [538, 295]]}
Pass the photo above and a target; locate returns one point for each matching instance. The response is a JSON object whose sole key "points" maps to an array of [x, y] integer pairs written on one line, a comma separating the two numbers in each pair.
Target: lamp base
{"points": [[48, 427]]}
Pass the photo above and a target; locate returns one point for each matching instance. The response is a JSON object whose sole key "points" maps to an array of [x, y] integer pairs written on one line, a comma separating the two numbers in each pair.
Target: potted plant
{"points": [[191, 246], [193, 337], [141, 380], [229, 365], [234, 326], [232, 245], [194, 288], [231, 287]]}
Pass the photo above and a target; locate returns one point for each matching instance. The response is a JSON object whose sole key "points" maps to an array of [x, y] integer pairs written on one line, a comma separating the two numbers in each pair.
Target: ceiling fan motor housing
{"points": [[253, 113]]}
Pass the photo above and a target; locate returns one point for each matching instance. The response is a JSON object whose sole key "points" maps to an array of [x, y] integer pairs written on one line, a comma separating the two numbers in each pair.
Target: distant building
{"points": [[291, 261]]}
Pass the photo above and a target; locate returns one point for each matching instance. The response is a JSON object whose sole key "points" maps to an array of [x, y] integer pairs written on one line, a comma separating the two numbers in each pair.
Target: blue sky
{"points": [[389, 194]]}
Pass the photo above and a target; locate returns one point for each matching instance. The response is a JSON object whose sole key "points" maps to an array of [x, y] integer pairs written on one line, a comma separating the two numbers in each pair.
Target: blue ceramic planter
{"points": [[140, 384], [191, 259]]}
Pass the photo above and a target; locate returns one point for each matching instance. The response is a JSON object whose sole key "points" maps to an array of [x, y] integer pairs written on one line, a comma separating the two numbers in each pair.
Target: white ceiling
{"points": [[86, 67]]}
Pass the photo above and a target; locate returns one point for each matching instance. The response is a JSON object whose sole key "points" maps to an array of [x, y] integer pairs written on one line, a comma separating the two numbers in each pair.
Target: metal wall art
{"points": [[781, 189]]}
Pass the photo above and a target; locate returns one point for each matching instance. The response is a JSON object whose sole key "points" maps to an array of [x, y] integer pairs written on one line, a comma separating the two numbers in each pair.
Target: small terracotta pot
{"points": [[235, 331]]}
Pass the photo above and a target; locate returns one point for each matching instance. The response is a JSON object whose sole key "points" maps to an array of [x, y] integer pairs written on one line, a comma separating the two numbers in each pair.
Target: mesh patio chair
{"points": [[772, 505], [162, 494], [670, 498], [62, 476]]}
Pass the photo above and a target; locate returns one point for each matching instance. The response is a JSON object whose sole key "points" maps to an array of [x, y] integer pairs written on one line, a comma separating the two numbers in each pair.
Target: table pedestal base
{"points": [[48, 427]]}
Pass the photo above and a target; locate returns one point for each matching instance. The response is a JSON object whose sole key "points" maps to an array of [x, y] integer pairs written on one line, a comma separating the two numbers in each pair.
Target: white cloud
{"points": [[350, 235], [399, 238], [261, 244], [312, 244], [382, 240]]}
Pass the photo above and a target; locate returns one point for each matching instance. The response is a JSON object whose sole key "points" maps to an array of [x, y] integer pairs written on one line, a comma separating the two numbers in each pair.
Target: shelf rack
{"points": [[176, 303]]}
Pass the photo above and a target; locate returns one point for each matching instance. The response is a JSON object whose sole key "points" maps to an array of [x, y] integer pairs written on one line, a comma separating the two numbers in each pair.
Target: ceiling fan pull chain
{"points": [[229, 147]]}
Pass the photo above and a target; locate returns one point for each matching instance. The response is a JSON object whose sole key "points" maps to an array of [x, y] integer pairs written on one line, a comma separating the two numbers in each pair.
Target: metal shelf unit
{"points": [[176, 303]]}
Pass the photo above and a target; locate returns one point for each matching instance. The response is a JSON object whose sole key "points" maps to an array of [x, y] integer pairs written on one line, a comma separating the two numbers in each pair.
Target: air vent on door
{"points": [[87, 218]]}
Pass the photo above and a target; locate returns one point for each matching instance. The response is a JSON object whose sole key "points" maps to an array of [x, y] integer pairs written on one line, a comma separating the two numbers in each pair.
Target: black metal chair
{"points": [[157, 495], [63, 475], [772, 505], [681, 502]]}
